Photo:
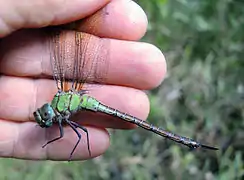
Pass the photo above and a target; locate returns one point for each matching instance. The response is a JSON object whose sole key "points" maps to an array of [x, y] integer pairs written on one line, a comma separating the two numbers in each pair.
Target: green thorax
{"points": [[66, 101], [73, 101]]}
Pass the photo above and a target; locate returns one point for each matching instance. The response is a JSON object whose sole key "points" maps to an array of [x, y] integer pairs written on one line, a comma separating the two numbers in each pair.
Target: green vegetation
{"points": [[202, 97]]}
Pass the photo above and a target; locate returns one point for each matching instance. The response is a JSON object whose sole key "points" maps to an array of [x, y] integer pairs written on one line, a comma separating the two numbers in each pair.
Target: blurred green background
{"points": [[201, 97]]}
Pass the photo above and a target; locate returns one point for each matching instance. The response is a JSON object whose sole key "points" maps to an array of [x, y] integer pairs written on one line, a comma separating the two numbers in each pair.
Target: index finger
{"points": [[15, 15]]}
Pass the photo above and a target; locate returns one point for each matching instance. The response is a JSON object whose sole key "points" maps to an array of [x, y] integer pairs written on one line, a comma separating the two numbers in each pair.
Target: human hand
{"points": [[25, 83]]}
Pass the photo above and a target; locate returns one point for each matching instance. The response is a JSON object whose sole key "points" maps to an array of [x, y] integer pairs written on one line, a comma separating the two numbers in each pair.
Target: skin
{"points": [[25, 83]]}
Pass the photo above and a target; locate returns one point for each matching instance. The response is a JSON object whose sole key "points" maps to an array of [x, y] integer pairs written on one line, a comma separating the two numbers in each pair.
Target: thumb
{"points": [[40, 13]]}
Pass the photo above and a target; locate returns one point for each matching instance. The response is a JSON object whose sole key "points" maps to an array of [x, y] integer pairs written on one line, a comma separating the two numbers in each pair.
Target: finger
{"points": [[25, 140], [115, 16], [24, 14], [134, 64], [20, 97]]}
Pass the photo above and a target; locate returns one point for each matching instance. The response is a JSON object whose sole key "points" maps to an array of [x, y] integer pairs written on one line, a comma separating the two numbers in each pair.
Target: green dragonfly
{"points": [[72, 68]]}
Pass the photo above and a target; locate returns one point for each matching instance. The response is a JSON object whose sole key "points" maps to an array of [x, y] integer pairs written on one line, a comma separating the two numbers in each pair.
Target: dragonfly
{"points": [[72, 67]]}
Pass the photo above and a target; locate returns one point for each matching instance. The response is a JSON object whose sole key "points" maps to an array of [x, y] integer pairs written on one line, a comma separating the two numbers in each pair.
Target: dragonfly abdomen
{"points": [[90, 103], [143, 124]]}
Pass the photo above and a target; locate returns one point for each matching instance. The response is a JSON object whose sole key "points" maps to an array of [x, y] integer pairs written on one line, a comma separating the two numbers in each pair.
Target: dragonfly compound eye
{"points": [[38, 118], [44, 115], [47, 112]]}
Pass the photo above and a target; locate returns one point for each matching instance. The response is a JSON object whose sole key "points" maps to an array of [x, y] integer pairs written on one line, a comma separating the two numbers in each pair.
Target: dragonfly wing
{"points": [[57, 45], [78, 58], [91, 60]]}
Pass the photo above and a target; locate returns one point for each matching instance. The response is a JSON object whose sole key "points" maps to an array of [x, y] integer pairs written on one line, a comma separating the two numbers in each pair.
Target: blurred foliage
{"points": [[201, 97]]}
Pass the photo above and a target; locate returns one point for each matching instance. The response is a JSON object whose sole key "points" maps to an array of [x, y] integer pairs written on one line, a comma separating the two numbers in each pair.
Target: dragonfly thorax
{"points": [[66, 102], [44, 116]]}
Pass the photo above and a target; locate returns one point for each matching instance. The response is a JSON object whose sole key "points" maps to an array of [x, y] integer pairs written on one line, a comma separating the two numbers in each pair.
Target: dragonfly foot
{"points": [[70, 158], [44, 145]]}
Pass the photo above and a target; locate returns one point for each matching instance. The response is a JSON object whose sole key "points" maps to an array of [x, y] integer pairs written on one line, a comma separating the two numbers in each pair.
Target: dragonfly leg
{"points": [[79, 138], [87, 135], [61, 131]]}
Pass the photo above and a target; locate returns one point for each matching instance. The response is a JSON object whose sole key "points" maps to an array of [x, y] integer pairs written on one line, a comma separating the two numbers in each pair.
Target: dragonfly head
{"points": [[44, 116]]}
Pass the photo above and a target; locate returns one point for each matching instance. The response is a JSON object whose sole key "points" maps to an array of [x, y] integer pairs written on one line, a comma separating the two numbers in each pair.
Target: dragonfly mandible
{"points": [[72, 97]]}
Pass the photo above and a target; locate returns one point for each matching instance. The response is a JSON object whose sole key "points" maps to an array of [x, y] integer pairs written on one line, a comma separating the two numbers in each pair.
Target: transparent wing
{"points": [[77, 58], [91, 60], [57, 45]]}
